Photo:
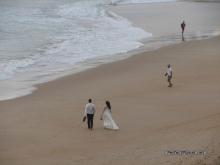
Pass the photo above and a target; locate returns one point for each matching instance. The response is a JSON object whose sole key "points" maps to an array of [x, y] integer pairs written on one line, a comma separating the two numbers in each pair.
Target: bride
{"points": [[108, 121]]}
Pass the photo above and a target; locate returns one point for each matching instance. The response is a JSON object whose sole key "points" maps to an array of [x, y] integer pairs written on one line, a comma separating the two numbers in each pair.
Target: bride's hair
{"points": [[108, 104]]}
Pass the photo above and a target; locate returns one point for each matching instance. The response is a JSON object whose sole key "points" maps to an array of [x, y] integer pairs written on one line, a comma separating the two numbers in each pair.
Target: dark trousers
{"points": [[169, 80], [90, 120]]}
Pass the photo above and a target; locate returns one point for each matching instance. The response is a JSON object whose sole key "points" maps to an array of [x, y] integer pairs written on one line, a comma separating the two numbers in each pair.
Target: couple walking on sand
{"points": [[106, 116]]}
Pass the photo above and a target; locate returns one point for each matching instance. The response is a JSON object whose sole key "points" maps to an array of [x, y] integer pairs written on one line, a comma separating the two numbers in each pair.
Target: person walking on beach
{"points": [[108, 121], [183, 25], [89, 113], [169, 75]]}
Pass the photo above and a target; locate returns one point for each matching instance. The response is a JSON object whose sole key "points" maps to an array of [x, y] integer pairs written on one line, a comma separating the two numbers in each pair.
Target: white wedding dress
{"points": [[108, 121]]}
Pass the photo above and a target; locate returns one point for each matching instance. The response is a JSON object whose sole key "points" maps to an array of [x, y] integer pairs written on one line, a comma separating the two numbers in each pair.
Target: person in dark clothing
{"points": [[183, 25]]}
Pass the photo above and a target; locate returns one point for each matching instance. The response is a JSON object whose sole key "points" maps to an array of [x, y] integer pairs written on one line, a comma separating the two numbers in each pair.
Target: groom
{"points": [[90, 112]]}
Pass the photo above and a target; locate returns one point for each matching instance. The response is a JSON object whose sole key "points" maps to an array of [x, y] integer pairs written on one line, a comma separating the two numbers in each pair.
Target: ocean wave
{"points": [[55, 40]]}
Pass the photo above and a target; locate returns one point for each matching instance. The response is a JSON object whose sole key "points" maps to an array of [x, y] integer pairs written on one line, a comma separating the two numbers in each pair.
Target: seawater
{"points": [[43, 40]]}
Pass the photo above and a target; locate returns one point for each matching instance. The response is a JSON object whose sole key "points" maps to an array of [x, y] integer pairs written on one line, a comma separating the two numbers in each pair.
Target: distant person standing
{"points": [[183, 25], [169, 75], [89, 113]]}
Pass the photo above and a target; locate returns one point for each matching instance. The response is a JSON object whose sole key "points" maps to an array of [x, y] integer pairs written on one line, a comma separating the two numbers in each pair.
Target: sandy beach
{"points": [[46, 127], [156, 123]]}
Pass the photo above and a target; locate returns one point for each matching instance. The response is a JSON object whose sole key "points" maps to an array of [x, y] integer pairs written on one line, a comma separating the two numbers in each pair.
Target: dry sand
{"points": [[45, 128]]}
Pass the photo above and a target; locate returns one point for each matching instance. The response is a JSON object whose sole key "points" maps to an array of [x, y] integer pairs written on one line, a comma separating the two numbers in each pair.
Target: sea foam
{"points": [[41, 42]]}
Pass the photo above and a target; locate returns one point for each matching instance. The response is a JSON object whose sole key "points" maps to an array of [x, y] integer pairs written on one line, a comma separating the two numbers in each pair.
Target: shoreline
{"points": [[123, 56], [128, 56]]}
